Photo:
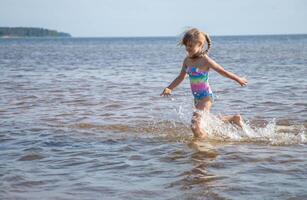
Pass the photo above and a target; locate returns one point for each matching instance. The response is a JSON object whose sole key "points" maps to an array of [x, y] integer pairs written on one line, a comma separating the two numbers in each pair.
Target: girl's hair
{"points": [[194, 35]]}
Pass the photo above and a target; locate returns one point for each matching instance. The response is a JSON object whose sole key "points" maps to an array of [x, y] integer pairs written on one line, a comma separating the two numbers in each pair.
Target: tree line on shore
{"points": [[30, 32]]}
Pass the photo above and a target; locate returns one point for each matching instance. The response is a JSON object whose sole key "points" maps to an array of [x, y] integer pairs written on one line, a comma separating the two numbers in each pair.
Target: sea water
{"points": [[81, 118]]}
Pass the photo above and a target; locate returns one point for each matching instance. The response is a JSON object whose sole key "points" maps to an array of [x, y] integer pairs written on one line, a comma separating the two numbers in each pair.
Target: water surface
{"points": [[81, 118]]}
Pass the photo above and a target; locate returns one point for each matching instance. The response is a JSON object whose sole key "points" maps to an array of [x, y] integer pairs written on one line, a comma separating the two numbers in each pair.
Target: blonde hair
{"points": [[194, 35]]}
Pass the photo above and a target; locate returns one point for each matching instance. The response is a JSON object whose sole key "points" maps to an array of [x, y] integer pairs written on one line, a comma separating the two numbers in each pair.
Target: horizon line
{"points": [[174, 36]]}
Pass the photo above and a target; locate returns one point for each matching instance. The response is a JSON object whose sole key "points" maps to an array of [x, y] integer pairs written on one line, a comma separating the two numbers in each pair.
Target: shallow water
{"points": [[81, 118]]}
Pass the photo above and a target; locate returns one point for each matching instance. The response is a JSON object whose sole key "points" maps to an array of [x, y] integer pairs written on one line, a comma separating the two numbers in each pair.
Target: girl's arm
{"points": [[168, 90], [212, 64]]}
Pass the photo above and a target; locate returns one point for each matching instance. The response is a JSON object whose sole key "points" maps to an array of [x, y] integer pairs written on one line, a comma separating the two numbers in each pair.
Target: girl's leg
{"points": [[235, 119], [202, 105]]}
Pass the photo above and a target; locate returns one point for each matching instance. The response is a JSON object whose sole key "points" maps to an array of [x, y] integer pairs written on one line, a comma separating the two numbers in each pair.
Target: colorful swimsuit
{"points": [[199, 81]]}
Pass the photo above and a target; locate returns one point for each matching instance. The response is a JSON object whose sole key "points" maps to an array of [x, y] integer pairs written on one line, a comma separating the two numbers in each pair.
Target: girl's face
{"points": [[193, 48]]}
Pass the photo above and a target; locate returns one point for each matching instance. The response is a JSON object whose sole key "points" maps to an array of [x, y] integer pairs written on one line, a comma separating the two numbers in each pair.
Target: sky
{"points": [[128, 18]]}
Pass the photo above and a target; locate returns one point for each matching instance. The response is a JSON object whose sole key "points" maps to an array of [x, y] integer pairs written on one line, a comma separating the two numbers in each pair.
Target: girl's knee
{"points": [[195, 124], [196, 130], [237, 118]]}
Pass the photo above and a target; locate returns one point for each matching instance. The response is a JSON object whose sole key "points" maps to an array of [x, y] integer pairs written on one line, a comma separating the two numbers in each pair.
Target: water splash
{"points": [[272, 133]]}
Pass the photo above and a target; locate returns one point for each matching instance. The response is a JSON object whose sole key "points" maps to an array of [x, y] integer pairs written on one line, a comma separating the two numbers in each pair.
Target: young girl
{"points": [[197, 65]]}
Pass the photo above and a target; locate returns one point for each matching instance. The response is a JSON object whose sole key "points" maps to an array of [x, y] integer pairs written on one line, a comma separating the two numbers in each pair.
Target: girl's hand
{"points": [[166, 92], [242, 81]]}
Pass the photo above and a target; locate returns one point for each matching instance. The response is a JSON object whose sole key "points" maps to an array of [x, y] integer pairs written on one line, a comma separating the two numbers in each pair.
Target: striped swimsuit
{"points": [[199, 81]]}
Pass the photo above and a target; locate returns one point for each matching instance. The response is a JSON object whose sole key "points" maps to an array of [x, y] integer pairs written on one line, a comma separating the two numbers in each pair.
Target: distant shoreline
{"points": [[25, 32], [176, 36]]}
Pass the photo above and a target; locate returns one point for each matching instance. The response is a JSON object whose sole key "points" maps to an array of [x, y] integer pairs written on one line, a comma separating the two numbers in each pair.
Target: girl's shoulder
{"points": [[207, 60], [186, 59], [202, 60]]}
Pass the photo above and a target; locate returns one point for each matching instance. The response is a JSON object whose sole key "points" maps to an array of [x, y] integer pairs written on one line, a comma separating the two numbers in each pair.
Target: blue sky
{"points": [[112, 18]]}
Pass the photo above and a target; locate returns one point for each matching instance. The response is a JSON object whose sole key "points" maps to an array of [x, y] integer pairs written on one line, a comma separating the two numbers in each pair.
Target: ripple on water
{"points": [[31, 157]]}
